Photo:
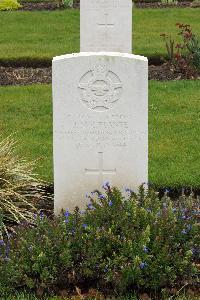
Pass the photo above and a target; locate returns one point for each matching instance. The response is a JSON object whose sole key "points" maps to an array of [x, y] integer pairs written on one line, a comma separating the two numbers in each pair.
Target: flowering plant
{"points": [[123, 241], [185, 56]]}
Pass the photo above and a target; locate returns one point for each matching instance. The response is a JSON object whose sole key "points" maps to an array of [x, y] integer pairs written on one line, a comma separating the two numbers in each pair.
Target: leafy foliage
{"points": [[119, 243], [9, 5]]}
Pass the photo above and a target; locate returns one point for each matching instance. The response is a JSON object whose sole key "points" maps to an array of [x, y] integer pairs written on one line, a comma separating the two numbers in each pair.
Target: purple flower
{"points": [[145, 249], [184, 217], [106, 185], [82, 212], [41, 215], [184, 231], [90, 206], [87, 195], [143, 265], [128, 190], [110, 203], [193, 251], [67, 214], [102, 197], [85, 225], [73, 230], [2, 243]]}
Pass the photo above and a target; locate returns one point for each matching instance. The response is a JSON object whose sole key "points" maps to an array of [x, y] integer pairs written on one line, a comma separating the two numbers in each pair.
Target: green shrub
{"points": [[120, 243], [68, 3], [9, 5]]}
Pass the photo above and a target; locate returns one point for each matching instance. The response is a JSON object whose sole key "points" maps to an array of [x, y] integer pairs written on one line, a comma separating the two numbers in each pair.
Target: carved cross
{"points": [[100, 171], [106, 24]]}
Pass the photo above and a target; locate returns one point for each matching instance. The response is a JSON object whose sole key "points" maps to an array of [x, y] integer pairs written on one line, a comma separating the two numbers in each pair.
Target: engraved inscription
{"points": [[100, 88], [85, 132], [100, 171]]}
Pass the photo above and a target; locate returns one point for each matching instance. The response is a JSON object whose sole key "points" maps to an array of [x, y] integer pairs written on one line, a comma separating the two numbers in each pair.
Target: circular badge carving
{"points": [[100, 89]]}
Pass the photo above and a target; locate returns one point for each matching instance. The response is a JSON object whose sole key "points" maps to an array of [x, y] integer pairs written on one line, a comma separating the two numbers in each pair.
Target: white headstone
{"points": [[106, 25], [100, 108]]}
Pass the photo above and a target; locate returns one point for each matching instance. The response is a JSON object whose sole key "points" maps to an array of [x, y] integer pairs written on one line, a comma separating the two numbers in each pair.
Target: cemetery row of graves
{"points": [[125, 245]]}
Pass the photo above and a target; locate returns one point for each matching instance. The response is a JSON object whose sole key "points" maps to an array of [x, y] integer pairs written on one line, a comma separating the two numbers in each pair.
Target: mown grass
{"points": [[44, 34], [26, 112], [174, 122], [174, 139]]}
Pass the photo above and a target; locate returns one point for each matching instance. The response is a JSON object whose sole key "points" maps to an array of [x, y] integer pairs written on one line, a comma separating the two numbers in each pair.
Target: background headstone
{"points": [[100, 109], [106, 25]]}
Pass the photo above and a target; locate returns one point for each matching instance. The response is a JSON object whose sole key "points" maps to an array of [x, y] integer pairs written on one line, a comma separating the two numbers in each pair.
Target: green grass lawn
{"points": [[174, 122], [42, 35]]}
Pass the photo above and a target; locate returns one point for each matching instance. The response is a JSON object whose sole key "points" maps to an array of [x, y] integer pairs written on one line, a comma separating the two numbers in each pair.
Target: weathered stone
{"points": [[106, 25], [100, 111]]}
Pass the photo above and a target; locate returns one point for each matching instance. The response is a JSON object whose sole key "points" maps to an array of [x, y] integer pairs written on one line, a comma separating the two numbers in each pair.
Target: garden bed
{"points": [[30, 75], [24, 76], [53, 5], [40, 6], [160, 5], [69, 255]]}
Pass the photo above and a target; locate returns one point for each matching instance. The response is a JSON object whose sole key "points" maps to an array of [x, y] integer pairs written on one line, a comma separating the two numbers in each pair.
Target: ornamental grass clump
{"points": [[17, 183], [122, 242]]}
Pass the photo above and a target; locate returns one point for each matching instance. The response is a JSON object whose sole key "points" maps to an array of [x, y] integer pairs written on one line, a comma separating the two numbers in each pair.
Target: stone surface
{"points": [[106, 25], [100, 107]]}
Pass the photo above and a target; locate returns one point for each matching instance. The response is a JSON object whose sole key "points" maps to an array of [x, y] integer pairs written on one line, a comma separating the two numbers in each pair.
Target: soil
{"points": [[17, 75], [160, 5], [52, 6], [40, 6], [24, 76]]}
